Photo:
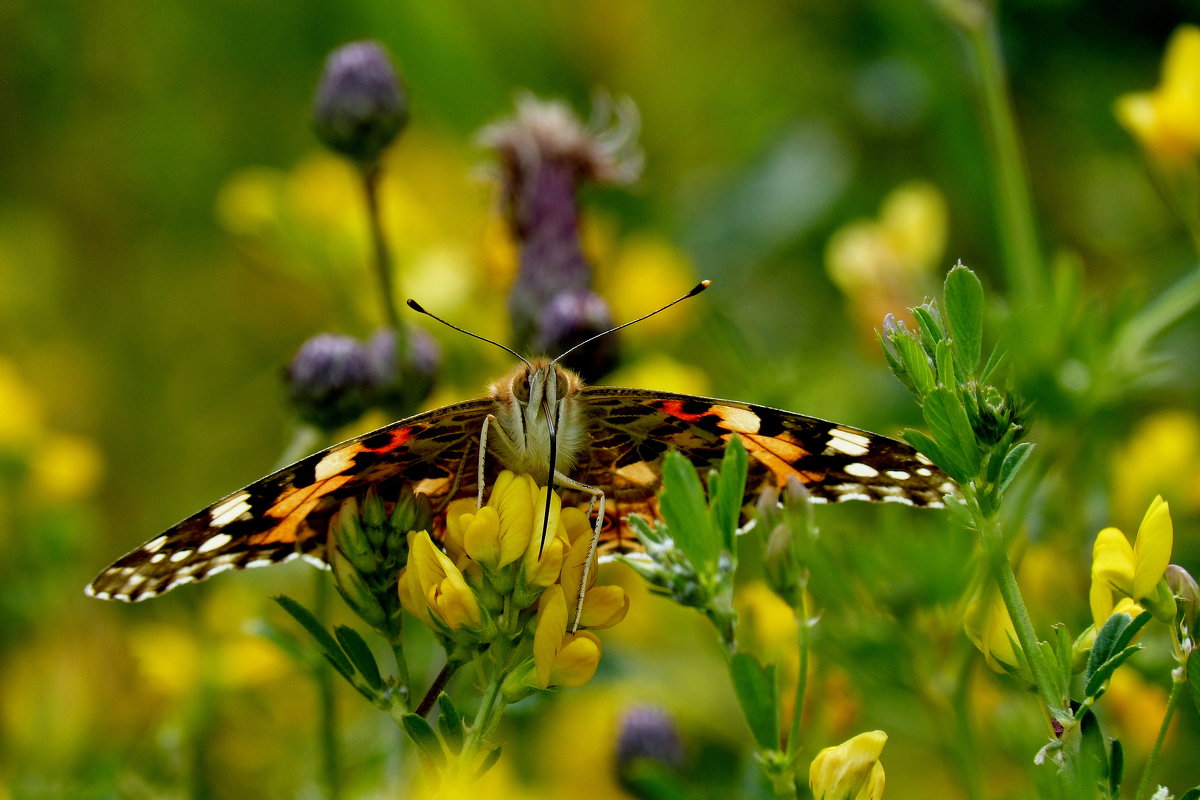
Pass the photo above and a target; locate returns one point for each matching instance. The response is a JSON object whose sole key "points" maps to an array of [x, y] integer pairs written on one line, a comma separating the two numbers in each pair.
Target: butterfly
{"points": [[595, 443]]}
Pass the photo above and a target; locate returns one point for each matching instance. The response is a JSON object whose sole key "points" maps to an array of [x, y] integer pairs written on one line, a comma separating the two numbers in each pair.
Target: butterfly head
{"points": [[538, 410]]}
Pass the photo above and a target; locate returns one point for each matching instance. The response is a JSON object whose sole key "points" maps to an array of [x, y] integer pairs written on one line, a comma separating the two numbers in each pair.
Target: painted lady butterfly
{"points": [[606, 443]]}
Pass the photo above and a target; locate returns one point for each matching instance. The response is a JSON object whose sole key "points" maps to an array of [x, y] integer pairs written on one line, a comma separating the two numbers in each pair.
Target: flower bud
{"points": [[402, 383], [360, 106], [851, 770], [328, 381], [1187, 596]]}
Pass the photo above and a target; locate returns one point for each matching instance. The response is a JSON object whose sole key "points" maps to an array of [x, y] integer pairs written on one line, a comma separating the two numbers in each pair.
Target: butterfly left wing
{"points": [[286, 514], [630, 430]]}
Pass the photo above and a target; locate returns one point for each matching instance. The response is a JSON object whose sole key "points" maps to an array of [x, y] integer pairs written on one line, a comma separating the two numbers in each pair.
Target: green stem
{"points": [[805, 645], [490, 708], [383, 260], [1172, 701], [1018, 232], [326, 702], [1006, 580]]}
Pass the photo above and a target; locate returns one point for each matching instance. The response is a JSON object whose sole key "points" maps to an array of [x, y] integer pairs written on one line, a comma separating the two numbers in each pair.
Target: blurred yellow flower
{"points": [[884, 263], [1161, 455], [766, 625], [1121, 571], [647, 269], [1137, 707], [851, 770], [990, 629], [66, 468], [20, 414], [1166, 120]]}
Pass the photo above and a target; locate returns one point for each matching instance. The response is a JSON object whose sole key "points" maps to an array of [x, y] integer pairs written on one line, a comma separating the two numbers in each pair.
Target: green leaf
{"points": [[686, 513], [358, 685], [1106, 643], [993, 364], [360, 654], [727, 491], [450, 724], [1013, 461], [963, 301], [421, 732], [930, 329], [489, 761], [1096, 682], [1191, 794], [1193, 677], [947, 373], [1116, 768], [310, 623], [916, 363], [758, 695], [924, 445], [947, 421]]}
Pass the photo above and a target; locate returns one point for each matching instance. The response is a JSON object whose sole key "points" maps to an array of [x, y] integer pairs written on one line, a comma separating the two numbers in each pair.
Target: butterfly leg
{"points": [[483, 439], [597, 496]]}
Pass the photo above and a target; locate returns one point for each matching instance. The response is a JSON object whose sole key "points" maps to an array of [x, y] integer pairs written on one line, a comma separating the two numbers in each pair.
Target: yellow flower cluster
{"points": [[1129, 578], [1166, 120], [499, 578]]}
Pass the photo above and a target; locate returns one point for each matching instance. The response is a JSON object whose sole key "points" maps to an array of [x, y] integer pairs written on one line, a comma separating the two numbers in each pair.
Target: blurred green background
{"points": [[170, 233]]}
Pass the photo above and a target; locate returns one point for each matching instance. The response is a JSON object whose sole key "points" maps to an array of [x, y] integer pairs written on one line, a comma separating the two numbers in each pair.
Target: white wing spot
{"points": [[924, 459], [215, 542], [923, 472], [228, 511], [158, 558], [154, 545], [861, 470], [848, 442], [898, 475], [180, 555]]}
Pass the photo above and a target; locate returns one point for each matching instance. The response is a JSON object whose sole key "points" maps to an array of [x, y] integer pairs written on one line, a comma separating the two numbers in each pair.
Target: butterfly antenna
{"points": [[415, 306], [700, 287]]}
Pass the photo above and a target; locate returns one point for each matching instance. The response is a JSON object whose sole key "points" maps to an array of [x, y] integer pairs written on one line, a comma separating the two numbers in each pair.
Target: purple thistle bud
{"points": [[647, 734], [359, 106], [329, 380], [545, 155], [570, 318], [401, 385]]}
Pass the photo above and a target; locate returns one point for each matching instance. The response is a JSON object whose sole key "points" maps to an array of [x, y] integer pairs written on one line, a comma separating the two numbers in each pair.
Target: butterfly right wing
{"points": [[287, 513]]}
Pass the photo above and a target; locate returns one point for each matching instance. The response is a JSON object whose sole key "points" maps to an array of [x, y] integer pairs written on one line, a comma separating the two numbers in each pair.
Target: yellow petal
{"points": [[1100, 598], [481, 537], [548, 635], [989, 627], [547, 571], [872, 788], [603, 607], [1112, 560], [1152, 549], [455, 603], [538, 547], [1181, 64], [846, 770], [577, 660]]}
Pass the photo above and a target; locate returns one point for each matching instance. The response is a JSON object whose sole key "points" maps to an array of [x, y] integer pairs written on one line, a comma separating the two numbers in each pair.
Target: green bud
{"points": [[1187, 596], [348, 536], [355, 590]]}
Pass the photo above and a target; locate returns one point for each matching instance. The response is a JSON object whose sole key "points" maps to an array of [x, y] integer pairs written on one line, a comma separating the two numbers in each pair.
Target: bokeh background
{"points": [[171, 232]]}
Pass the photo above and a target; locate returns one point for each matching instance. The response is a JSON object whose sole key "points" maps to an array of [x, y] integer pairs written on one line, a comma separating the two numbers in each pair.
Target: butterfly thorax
{"points": [[535, 403]]}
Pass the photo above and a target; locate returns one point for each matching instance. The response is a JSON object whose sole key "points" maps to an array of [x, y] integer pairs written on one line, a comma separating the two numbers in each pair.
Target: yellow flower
{"points": [[1166, 120], [442, 585], [603, 606], [851, 770], [990, 629], [544, 555], [1135, 572], [561, 659]]}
